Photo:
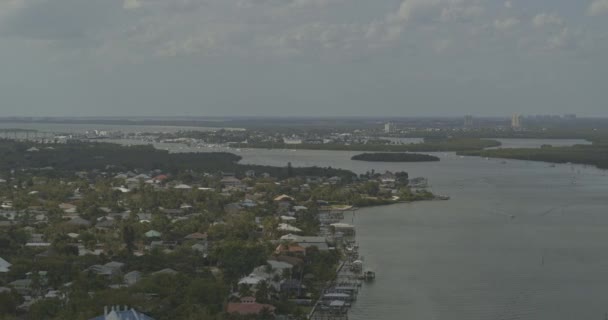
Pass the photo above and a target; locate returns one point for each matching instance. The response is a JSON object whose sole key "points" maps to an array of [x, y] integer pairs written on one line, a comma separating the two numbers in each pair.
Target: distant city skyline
{"points": [[392, 58]]}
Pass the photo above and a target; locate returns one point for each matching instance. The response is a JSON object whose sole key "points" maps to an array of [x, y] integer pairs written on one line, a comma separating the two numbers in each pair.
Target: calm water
{"points": [[520, 240]]}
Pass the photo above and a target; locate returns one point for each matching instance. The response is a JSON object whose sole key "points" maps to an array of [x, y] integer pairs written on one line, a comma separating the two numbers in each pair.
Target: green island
{"points": [[174, 236], [429, 145], [394, 157], [595, 154]]}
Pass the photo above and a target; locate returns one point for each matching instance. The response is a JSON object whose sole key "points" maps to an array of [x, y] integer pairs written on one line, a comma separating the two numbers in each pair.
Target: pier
{"points": [[337, 297]]}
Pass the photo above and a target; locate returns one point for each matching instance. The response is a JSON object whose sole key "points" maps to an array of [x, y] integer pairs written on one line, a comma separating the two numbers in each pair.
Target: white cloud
{"points": [[506, 24], [508, 4], [598, 7], [429, 10], [546, 19], [131, 4], [566, 39]]}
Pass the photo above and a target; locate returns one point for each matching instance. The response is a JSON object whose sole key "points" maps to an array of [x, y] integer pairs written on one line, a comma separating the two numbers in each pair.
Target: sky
{"points": [[303, 57]]}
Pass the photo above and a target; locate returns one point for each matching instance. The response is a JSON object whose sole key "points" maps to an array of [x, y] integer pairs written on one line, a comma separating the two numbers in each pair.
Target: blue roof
{"points": [[124, 315]]}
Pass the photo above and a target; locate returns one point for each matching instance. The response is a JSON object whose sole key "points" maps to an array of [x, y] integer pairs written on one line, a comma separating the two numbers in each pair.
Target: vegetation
{"points": [[394, 157], [79, 156], [596, 154], [429, 145]]}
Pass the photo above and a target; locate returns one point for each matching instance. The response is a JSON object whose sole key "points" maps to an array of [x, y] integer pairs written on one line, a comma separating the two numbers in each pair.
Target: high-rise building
{"points": [[468, 121], [516, 121], [388, 127]]}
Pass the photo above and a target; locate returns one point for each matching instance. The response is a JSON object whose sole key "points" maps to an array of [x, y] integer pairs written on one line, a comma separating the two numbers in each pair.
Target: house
{"points": [[4, 266], [80, 222], [22, 286], [68, 207], [344, 228], [248, 203], [115, 313], [152, 234], [250, 173], [200, 248], [306, 242], [250, 307], [231, 182], [168, 271], [196, 236], [109, 269], [284, 227], [334, 180], [233, 208], [105, 224], [182, 187], [160, 178], [290, 249], [132, 278], [284, 198]]}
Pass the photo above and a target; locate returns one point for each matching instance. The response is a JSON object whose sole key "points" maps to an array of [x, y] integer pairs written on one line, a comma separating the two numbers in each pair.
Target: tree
{"points": [[128, 236], [9, 302], [262, 292], [289, 170]]}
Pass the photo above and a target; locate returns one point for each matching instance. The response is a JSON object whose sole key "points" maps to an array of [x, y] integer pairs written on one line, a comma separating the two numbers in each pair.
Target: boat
{"points": [[440, 197], [368, 275]]}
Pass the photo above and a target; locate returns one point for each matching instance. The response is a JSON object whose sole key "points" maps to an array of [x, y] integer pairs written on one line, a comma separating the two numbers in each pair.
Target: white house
{"points": [[4, 266]]}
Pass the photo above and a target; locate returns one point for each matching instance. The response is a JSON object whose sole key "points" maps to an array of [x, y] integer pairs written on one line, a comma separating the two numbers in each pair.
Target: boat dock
{"points": [[337, 297]]}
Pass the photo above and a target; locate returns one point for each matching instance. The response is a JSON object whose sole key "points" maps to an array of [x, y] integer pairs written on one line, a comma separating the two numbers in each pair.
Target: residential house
{"points": [[22, 286], [152, 234], [4, 266], [248, 307], [79, 222], [109, 269], [132, 278]]}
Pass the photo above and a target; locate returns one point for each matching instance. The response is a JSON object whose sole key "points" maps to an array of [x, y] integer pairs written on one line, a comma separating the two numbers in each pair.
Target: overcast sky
{"points": [[303, 57]]}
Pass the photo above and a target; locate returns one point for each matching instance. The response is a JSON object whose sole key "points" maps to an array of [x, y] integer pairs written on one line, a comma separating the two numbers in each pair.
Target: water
{"points": [[520, 240]]}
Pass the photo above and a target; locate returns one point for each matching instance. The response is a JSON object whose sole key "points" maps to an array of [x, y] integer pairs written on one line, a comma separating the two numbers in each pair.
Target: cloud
{"points": [[132, 4], [546, 19], [58, 19], [506, 24], [508, 4], [598, 7], [429, 10]]}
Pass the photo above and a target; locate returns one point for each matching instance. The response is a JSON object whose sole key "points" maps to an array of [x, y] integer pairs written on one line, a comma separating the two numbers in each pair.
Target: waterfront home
{"points": [[248, 307], [290, 249], [306, 242], [344, 228]]}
